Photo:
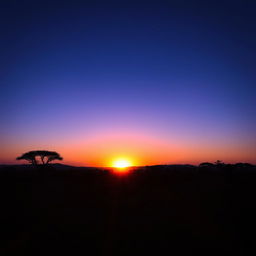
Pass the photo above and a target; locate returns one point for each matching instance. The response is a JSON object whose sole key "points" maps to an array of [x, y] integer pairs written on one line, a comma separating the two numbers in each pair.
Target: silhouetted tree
{"points": [[206, 164], [29, 156], [45, 156], [243, 165], [219, 163]]}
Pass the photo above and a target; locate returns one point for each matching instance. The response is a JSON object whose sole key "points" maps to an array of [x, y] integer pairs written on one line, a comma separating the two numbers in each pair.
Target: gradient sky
{"points": [[155, 81]]}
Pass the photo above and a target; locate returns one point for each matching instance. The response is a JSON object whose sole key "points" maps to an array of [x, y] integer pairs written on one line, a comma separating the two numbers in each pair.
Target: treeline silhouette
{"points": [[153, 210]]}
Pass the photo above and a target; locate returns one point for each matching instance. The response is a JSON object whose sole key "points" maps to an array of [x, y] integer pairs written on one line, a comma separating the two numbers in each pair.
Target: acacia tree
{"points": [[45, 156], [219, 163]]}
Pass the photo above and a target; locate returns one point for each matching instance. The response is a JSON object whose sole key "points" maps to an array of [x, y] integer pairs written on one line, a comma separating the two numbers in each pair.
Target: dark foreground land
{"points": [[160, 210]]}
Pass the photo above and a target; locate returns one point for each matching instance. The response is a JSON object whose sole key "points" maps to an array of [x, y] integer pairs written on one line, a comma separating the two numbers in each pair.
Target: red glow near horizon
{"points": [[121, 171]]}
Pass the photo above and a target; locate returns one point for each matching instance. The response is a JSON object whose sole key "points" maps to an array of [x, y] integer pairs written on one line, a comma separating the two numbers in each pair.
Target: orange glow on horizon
{"points": [[139, 148], [121, 163]]}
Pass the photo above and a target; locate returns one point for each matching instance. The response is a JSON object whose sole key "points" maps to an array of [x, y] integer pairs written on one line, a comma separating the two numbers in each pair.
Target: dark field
{"points": [[159, 210]]}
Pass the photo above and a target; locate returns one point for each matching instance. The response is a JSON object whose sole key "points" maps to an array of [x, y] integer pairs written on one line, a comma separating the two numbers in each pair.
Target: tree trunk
{"points": [[42, 158]]}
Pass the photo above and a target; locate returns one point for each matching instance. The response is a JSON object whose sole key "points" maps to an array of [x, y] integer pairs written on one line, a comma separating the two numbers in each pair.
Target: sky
{"points": [[156, 82]]}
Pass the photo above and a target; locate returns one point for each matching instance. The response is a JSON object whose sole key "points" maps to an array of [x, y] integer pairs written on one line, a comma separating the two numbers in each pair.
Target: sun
{"points": [[122, 163]]}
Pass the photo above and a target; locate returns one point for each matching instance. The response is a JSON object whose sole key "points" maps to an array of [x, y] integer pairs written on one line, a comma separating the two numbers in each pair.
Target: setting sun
{"points": [[121, 163]]}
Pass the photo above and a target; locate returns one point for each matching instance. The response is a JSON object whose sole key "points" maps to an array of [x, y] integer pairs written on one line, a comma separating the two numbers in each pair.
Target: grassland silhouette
{"points": [[153, 210]]}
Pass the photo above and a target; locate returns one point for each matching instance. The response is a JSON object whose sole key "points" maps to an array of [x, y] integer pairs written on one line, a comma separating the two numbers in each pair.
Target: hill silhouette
{"points": [[165, 210]]}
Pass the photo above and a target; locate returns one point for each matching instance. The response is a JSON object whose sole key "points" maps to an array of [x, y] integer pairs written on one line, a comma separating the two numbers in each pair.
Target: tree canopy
{"points": [[43, 157]]}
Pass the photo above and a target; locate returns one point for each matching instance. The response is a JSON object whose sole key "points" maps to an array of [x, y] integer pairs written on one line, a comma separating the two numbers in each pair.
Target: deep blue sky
{"points": [[177, 70]]}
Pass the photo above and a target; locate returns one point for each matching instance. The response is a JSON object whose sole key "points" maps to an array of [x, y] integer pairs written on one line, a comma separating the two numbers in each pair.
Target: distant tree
{"points": [[45, 156], [243, 165], [206, 164], [29, 156], [219, 163]]}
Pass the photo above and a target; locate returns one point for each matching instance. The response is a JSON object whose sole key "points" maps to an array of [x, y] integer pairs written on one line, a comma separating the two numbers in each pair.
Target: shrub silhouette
{"points": [[219, 163], [206, 164], [45, 156], [243, 165]]}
